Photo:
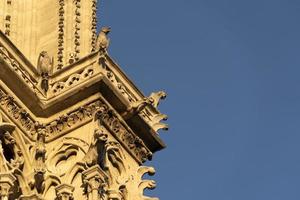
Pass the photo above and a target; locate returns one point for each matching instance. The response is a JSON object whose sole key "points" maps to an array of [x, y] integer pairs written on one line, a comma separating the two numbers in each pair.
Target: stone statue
{"points": [[45, 68], [102, 40], [115, 156], [92, 157]]}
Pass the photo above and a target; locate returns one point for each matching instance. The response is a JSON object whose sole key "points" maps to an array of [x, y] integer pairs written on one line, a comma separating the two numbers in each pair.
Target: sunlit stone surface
{"points": [[72, 125]]}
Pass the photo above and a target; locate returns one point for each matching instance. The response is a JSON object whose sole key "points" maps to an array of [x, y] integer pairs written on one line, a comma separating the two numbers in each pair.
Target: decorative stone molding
{"points": [[151, 115], [61, 32], [133, 143], [71, 81], [17, 113], [94, 25], [106, 116], [8, 20], [77, 29], [81, 130], [19, 71], [117, 83], [152, 118]]}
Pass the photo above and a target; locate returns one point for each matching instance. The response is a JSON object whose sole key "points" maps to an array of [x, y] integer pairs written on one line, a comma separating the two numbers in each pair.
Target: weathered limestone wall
{"points": [[66, 29]]}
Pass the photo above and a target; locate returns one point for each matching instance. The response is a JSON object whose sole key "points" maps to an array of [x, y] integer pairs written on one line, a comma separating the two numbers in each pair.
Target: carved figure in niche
{"points": [[18, 162], [45, 68], [8, 139], [114, 164], [12, 154], [156, 97], [95, 154], [103, 40], [8, 144], [115, 155], [136, 107]]}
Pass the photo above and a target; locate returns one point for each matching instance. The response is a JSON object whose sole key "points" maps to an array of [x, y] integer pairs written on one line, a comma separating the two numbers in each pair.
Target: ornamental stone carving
{"points": [[72, 124]]}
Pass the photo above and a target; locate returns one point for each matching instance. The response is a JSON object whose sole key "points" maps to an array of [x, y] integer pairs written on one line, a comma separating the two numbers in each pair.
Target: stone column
{"points": [[6, 182], [64, 192], [94, 179]]}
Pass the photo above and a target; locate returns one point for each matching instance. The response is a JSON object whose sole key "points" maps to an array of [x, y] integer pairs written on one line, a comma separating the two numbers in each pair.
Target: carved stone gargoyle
{"points": [[156, 123], [96, 150], [103, 40], [156, 97], [45, 69], [136, 107]]}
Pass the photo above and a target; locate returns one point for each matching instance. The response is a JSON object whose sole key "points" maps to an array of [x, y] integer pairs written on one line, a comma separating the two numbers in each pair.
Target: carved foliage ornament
{"points": [[109, 119], [106, 116]]}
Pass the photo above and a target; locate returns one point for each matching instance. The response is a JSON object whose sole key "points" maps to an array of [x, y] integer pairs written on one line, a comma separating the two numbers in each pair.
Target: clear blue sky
{"points": [[231, 69]]}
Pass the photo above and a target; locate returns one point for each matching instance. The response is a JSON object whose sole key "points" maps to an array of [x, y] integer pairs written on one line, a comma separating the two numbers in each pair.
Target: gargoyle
{"points": [[156, 97], [45, 68], [157, 124], [97, 146], [103, 40], [136, 107]]}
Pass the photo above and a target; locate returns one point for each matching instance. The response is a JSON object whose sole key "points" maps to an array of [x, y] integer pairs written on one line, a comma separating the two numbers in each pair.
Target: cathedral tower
{"points": [[72, 124]]}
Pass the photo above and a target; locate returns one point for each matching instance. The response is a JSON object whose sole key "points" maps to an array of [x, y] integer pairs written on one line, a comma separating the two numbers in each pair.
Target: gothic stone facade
{"points": [[72, 125]]}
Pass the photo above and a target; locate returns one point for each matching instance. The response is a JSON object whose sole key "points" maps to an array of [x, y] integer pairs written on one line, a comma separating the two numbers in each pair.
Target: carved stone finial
{"points": [[103, 40], [94, 180], [64, 192]]}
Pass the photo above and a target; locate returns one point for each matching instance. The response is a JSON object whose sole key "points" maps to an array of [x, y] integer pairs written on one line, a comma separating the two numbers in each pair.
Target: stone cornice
{"points": [[93, 108], [90, 74]]}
